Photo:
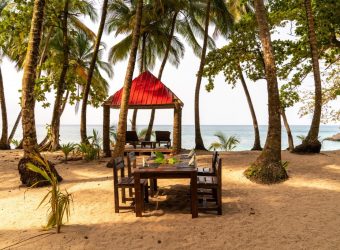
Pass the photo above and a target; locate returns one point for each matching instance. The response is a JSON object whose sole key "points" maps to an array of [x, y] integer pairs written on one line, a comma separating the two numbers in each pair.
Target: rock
{"points": [[334, 137]]}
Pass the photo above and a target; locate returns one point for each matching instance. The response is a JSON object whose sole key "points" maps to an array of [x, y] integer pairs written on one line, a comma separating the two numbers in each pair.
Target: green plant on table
{"points": [[160, 158], [59, 202]]}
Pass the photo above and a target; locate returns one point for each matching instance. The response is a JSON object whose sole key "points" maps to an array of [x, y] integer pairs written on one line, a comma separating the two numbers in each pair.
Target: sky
{"points": [[222, 106]]}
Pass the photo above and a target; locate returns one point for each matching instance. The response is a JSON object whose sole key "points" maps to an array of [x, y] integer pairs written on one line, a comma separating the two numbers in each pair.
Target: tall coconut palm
{"points": [[183, 20], [216, 11], [311, 144], [83, 133], [121, 130], [268, 166], [28, 99], [61, 86], [4, 143]]}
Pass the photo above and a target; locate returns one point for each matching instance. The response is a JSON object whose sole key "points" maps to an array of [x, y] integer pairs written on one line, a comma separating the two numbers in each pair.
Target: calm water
{"points": [[70, 133]]}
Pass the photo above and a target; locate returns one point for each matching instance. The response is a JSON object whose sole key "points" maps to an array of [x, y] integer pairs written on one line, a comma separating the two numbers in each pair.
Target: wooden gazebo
{"points": [[147, 92]]}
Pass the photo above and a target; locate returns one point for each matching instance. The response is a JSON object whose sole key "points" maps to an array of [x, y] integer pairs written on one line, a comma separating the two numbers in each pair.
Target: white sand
{"points": [[301, 213]]}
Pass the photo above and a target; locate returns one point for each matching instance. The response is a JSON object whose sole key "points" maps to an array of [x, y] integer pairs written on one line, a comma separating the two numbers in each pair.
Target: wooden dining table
{"points": [[167, 171]]}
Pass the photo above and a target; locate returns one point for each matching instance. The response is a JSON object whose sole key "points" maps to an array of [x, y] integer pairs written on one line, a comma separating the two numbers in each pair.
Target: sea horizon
{"points": [[245, 134]]}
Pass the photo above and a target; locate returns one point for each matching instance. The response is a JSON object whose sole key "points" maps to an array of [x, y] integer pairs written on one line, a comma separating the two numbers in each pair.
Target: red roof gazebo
{"points": [[147, 92]]}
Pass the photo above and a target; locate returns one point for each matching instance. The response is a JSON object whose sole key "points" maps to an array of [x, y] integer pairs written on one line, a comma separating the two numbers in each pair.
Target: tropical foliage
{"points": [[224, 142]]}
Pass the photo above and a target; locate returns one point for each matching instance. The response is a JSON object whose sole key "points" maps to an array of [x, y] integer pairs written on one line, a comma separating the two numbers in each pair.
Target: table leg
{"points": [[193, 187], [138, 196]]}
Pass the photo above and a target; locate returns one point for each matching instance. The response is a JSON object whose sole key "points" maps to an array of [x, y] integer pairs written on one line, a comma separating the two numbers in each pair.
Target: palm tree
{"points": [[183, 16], [222, 19], [61, 86], [311, 143], [224, 142], [268, 166], [257, 141], [4, 143], [83, 133], [28, 99], [120, 144]]}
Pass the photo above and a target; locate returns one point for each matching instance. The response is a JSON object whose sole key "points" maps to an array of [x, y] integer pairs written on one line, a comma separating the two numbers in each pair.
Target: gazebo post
{"points": [[106, 130], [177, 132]]}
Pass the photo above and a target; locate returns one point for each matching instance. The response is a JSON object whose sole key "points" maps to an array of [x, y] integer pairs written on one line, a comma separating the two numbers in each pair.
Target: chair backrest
{"points": [[214, 161], [162, 135], [219, 172], [118, 164], [131, 136], [131, 162]]}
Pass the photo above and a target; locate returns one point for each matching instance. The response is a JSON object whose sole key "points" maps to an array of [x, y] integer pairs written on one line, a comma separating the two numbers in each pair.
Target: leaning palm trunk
{"points": [[28, 100], [257, 142], [55, 124], [121, 130], [16, 124], [198, 137], [4, 143], [268, 166], [311, 143], [83, 132], [289, 132], [161, 69]]}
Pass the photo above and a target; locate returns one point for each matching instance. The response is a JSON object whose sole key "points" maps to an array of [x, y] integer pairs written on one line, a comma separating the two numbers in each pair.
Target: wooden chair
{"points": [[213, 183], [122, 182], [132, 138], [131, 164], [163, 137], [209, 171]]}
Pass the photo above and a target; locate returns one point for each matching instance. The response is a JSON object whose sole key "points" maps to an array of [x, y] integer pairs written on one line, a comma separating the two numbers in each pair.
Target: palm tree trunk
{"points": [[312, 144], [289, 132], [83, 132], [268, 167], [198, 137], [121, 130], [28, 99], [257, 142], [4, 143], [55, 124], [16, 124], [160, 73], [142, 66]]}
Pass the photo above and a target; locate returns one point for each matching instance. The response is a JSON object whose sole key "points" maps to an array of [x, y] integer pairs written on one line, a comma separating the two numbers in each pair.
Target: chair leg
{"points": [[146, 193], [123, 195], [219, 200], [116, 194]]}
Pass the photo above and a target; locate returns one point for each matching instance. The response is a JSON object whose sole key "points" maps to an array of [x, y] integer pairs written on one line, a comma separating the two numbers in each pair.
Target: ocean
{"points": [[70, 133]]}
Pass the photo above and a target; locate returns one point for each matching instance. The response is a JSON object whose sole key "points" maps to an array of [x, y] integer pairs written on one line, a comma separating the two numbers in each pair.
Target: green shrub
{"points": [[58, 202], [67, 149]]}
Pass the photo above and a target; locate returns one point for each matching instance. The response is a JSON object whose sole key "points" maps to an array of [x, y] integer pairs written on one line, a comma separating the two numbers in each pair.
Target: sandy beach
{"points": [[301, 213]]}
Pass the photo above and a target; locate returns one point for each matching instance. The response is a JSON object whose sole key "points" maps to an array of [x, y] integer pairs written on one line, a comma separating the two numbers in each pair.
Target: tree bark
{"points": [[83, 132], [198, 137], [121, 130], [55, 124], [312, 144], [268, 167], [289, 132], [28, 100], [257, 142], [142, 68], [160, 73], [16, 124], [4, 143]]}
